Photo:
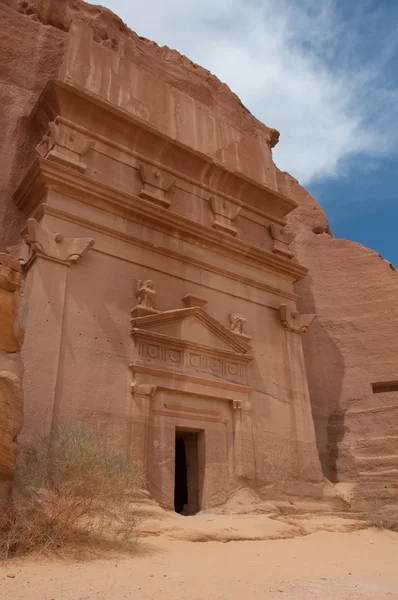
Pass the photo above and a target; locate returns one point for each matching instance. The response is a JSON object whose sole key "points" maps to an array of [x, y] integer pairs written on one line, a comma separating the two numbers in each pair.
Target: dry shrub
{"points": [[384, 517], [73, 492], [379, 511]]}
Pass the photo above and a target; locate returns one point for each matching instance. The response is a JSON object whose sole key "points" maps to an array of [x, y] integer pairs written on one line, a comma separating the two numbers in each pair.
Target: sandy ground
{"points": [[337, 561]]}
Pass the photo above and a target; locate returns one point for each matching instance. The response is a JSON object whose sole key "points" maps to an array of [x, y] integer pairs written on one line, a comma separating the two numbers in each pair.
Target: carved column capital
{"points": [[65, 145], [244, 407], [156, 184], [225, 213], [293, 321], [236, 406], [282, 240], [143, 390], [55, 246]]}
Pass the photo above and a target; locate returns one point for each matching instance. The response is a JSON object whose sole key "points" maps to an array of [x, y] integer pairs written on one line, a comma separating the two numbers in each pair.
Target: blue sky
{"points": [[322, 72]]}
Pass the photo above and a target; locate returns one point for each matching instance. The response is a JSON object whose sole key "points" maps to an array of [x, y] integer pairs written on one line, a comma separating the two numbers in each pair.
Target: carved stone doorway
{"points": [[186, 474]]}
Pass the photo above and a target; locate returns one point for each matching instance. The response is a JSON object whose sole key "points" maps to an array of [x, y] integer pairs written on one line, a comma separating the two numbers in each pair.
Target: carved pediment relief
{"points": [[190, 340]]}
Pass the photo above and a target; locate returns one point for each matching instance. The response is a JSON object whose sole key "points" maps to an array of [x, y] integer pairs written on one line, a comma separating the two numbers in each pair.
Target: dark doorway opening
{"points": [[186, 480]]}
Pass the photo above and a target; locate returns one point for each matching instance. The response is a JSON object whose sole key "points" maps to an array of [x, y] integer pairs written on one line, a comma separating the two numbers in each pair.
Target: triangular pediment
{"points": [[193, 326]]}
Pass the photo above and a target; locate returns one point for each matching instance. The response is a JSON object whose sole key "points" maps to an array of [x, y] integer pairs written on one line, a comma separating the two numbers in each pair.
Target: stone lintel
{"points": [[72, 106], [187, 383]]}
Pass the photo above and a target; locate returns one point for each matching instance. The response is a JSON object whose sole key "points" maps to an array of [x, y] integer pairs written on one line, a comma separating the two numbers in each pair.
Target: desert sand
{"points": [[338, 560]]}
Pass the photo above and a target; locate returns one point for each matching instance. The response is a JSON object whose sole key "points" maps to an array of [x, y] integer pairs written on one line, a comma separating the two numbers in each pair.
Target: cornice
{"points": [[47, 175], [56, 99], [178, 175]]}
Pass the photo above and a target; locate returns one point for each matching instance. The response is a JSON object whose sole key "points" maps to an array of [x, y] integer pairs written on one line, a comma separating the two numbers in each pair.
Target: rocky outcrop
{"points": [[351, 352], [351, 348], [11, 397]]}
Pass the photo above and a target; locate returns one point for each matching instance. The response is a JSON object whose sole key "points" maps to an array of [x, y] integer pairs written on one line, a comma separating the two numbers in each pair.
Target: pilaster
{"points": [[243, 440], [47, 257]]}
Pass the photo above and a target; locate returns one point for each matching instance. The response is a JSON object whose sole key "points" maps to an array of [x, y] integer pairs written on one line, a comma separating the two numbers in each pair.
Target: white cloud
{"points": [[292, 66]]}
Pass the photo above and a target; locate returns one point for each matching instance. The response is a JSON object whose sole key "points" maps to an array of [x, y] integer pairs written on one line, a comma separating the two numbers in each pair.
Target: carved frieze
{"points": [[183, 359], [282, 240], [237, 322], [225, 214], [55, 246], [293, 321], [65, 145], [156, 184]]}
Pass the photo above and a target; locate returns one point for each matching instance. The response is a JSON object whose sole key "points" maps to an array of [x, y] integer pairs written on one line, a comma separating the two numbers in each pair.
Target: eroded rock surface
{"points": [[352, 345], [11, 397]]}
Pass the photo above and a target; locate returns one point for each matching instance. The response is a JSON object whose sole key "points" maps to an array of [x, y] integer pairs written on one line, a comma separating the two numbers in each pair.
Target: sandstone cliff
{"points": [[353, 343], [32, 45], [352, 346]]}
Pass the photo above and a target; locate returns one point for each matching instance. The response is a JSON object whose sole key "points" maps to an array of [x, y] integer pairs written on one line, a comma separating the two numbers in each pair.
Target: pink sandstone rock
{"points": [[11, 397], [147, 191], [352, 345]]}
